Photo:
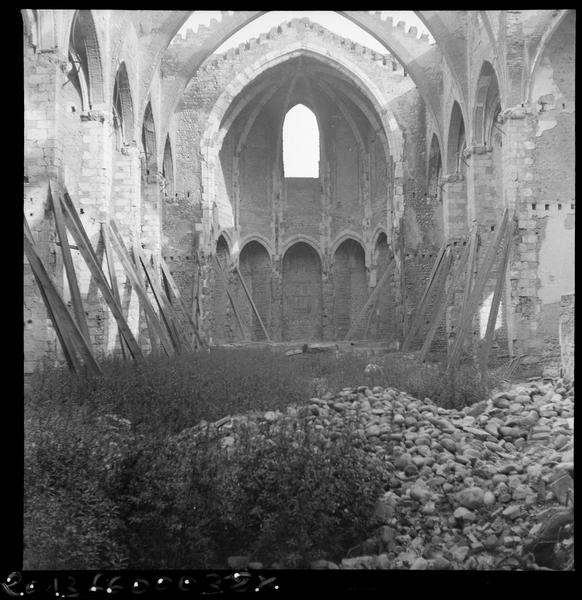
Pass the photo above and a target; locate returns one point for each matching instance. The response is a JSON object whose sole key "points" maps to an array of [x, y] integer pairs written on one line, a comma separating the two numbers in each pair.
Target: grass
{"points": [[108, 486]]}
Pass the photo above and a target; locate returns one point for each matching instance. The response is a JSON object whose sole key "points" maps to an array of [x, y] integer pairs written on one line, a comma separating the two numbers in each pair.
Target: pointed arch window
{"points": [[300, 143]]}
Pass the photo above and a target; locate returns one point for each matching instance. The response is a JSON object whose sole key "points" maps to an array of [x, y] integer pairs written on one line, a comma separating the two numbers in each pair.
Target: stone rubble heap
{"points": [[469, 489]]}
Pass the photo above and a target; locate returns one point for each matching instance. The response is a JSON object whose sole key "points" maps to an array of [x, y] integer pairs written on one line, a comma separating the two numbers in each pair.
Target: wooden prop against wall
{"points": [[76, 301], [442, 305], [477, 291], [402, 251], [469, 280], [164, 269], [113, 282], [222, 274], [423, 302], [86, 249], [149, 280], [135, 280], [248, 295], [375, 302], [167, 311], [495, 303], [72, 340], [369, 302]]}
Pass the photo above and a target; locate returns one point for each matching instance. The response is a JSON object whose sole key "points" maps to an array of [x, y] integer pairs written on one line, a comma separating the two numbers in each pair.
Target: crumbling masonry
{"points": [[182, 148]]}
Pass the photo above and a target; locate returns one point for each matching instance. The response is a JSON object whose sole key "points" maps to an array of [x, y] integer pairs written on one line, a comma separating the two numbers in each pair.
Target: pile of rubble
{"points": [[486, 487]]}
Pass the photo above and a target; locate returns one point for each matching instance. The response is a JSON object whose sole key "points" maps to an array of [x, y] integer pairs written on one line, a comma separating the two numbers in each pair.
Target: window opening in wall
{"points": [[547, 207], [300, 143]]}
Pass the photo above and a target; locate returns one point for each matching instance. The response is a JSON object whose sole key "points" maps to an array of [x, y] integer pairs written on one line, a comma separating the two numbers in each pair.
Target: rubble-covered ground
{"points": [[486, 487]]}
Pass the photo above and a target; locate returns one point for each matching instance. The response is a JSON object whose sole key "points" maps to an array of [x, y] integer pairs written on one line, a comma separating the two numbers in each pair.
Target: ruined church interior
{"points": [[441, 164]]}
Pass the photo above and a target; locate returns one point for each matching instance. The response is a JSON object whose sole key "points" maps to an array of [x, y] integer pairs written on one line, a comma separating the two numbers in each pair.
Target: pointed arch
{"points": [[260, 239], [255, 267], [456, 140], [31, 26], [487, 105], [434, 169], [168, 170], [306, 239], [346, 235], [148, 143], [350, 285], [302, 293], [123, 116], [85, 58]]}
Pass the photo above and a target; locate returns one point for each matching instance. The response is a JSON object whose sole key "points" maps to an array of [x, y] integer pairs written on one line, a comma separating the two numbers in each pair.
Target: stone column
{"points": [[521, 298]]}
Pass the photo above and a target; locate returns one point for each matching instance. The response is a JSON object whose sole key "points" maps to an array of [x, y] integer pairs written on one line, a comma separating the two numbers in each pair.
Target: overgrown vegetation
{"points": [[114, 478]]}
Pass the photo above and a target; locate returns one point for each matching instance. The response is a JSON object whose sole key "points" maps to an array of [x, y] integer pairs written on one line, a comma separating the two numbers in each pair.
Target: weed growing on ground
{"points": [[110, 482]]}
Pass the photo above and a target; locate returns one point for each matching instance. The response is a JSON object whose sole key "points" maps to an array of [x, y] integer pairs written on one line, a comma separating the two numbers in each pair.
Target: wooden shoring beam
{"points": [[113, 281], [76, 300], [230, 297], [375, 302], [423, 302], [165, 270], [402, 251], [244, 285], [68, 351], [128, 265], [193, 316], [371, 299], [495, 302], [155, 341], [70, 336], [477, 291], [444, 303], [86, 249], [167, 311], [471, 266], [180, 319]]}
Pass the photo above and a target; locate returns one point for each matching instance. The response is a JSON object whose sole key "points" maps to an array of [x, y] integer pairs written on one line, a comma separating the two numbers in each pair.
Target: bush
{"points": [[110, 481], [283, 491], [71, 513]]}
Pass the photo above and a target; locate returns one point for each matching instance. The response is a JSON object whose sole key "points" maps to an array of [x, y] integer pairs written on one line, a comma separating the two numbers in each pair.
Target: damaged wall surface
{"points": [[184, 149]]}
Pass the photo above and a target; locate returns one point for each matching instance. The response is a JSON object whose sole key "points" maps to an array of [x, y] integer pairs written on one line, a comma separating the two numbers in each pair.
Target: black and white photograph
{"points": [[298, 293]]}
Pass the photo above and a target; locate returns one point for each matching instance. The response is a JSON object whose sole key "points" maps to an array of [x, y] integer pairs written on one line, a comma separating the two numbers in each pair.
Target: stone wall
{"points": [[377, 119]]}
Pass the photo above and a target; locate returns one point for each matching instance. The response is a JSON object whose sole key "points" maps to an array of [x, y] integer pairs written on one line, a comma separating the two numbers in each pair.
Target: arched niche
{"points": [[487, 105], [435, 167], [221, 328], [168, 171], [148, 150], [86, 72], [31, 27], [302, 294], [350, 285], [487, 152], [456, 142], [150, 182], [122, 108], [382, 325], [456, 205], [255, 267]]}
